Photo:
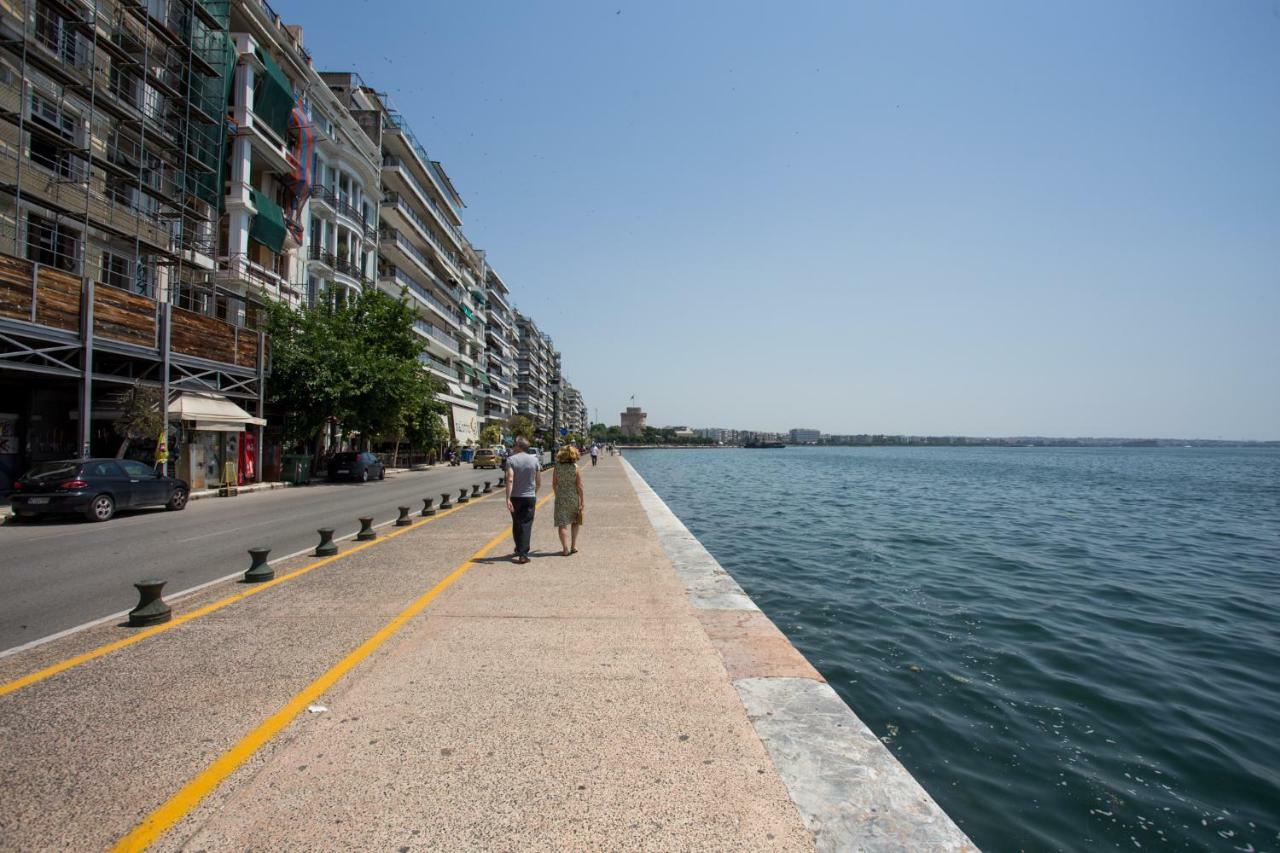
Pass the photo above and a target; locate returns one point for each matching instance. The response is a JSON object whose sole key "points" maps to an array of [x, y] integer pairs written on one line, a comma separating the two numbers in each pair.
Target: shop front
{"points": [[220, 441]]}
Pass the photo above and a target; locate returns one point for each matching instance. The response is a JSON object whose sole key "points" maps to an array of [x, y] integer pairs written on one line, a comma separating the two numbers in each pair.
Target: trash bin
{"points": [[296, 469], [468, 453]]}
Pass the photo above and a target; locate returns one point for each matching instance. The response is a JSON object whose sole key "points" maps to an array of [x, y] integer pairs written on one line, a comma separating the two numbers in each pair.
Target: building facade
{"points": [[534, 372], [805, 436]]}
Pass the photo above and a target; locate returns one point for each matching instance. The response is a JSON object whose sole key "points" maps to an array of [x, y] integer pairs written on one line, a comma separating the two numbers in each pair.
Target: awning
{"points": [[207, 409], [466, 430], [267, 226], [467, 311], [455, 389], [273, 96]]}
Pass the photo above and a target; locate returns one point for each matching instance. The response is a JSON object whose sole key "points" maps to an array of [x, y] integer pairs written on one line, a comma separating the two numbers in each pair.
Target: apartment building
{"points": [[112, 159], [500, 350], [534, 372], [573, 411]]}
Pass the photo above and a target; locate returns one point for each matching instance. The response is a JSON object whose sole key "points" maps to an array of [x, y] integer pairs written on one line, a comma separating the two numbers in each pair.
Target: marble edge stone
{"points": [[849, 789], [710, 586]]}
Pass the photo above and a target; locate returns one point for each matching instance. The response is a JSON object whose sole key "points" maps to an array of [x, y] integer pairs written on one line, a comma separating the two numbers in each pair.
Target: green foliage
{"points": [[520, 426], [424, 425], [141, 417], [490, 435], [599, 431], [355, 360]]}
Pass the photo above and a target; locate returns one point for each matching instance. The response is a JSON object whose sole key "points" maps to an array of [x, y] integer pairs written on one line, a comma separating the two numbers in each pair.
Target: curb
{"points": [[850, 790]]}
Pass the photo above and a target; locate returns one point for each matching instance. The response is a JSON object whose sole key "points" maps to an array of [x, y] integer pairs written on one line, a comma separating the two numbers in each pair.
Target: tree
{"points": [[141, 417], [354, 360], [490, 435], [424, 424], [520, 426], [599, 431]]}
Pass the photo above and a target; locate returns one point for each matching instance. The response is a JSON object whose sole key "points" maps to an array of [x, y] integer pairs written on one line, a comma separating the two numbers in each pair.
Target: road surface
{"points": [[58, 573]]}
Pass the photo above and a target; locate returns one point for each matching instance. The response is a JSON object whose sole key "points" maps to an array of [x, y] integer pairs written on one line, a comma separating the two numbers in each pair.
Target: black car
{"points": [[362, 466], [96, 488]]}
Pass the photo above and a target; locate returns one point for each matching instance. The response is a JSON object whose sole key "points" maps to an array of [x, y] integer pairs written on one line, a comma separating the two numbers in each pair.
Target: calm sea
{"points": [[1071, 649]]}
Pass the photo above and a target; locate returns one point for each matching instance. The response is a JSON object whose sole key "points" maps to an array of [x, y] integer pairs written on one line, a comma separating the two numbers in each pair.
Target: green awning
{"points": [[467, 311], [267, 227], [273, 99]]}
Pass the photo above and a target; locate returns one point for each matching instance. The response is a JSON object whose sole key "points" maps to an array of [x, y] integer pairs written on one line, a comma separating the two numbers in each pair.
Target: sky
{"points": [[944, 218]]}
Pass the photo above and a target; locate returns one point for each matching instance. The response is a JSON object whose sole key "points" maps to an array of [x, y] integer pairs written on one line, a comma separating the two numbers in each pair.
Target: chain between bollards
{"points": [[366, 529], [258, 570], [151, 609], [327, 547]]}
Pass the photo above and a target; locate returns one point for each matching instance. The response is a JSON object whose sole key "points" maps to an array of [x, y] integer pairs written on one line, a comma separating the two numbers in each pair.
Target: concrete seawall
{"points": [[850, 790]]}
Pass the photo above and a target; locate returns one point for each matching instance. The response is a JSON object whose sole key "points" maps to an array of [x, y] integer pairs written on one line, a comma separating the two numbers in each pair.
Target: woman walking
{"points": [[566, 481]]}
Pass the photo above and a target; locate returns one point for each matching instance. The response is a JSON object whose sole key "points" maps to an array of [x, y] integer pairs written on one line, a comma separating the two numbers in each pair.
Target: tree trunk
{"points": [[124, 448], [395, 455]]}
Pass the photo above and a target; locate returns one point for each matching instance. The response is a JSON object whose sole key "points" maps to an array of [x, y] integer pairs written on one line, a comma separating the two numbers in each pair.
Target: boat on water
{"points": [[766, 445]]}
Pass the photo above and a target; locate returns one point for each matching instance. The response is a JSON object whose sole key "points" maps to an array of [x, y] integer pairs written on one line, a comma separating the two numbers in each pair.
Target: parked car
{"points": [[353, 465], [485, 458], [95, 487]]}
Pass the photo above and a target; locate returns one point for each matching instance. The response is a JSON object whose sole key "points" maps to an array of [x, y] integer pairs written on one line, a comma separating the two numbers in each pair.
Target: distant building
{"points": [[805, 436], [682, 432], [633, 422]]}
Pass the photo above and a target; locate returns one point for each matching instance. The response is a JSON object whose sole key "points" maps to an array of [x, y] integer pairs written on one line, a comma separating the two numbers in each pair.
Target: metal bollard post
{"points": [[404, 520], [475, 490], [427, 508], [366, 529], [444, 501], [327, 547], [258, 570], [462, 496], [151, 609], [488, 487]]}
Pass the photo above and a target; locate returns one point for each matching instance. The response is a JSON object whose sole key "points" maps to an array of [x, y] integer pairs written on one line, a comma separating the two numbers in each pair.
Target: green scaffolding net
{"points": [[273, 98]]}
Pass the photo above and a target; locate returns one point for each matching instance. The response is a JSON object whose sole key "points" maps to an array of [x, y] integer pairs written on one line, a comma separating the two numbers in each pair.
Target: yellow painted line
{"points": [[71, 662], [177, 807]]}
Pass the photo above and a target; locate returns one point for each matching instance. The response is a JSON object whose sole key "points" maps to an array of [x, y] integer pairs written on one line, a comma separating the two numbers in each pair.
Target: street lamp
{"points": [[555, 414]]}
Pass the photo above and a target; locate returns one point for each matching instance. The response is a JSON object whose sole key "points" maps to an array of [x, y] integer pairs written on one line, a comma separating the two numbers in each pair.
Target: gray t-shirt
{"points": [[523, 468]]}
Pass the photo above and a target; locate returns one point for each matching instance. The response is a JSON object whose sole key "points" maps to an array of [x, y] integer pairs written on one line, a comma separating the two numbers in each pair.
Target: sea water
{"points": [[1071, 649]]}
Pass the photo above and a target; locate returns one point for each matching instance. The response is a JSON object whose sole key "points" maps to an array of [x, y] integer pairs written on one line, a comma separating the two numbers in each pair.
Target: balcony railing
{"points": [[396, 163], [430, 330], [402, 278], [404, 207], [345, 208]]}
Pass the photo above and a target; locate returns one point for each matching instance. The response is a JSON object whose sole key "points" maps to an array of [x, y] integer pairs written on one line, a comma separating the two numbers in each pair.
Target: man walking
{"points": [[595, 454], [524, 478]]}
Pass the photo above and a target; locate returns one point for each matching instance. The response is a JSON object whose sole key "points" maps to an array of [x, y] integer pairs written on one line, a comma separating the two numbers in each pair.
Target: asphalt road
{"points": [[57, 573]]}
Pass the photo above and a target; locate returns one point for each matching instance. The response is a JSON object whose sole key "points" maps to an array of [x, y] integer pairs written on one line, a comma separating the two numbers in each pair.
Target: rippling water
{"points": [[1072, 649]]}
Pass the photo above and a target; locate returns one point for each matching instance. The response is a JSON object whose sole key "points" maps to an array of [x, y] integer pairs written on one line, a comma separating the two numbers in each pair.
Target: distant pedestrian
{"points": [[524, 479], [566, 482], [595, 454]]}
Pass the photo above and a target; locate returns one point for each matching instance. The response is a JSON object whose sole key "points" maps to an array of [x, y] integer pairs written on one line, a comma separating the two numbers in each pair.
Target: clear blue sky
{"points": [[904, 217]]}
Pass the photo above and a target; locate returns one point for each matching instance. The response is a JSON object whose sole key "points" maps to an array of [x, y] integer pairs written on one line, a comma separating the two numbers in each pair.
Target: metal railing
{"points": [[396, 163]]}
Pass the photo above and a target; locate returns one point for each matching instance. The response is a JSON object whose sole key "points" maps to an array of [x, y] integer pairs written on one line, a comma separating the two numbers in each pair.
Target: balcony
{"points": [[344, 208], [399, 204], [403, 279], [401, 169], [435, 335]]}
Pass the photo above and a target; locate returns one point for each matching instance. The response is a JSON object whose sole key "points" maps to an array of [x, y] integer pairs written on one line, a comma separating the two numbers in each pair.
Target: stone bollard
{"points": [[488, 487], [427, 508], [404, 520], [327, 547], [258, 570], [366, 529], [444, 501], [475, 490], [151, 609], [462, 496]]}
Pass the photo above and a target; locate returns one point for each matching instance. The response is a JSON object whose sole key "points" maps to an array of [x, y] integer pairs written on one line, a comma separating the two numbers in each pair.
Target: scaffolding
{"points": [[112, 138]]}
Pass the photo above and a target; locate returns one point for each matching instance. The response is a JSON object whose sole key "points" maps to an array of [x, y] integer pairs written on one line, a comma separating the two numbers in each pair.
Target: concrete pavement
{"points": [[587, 702]]}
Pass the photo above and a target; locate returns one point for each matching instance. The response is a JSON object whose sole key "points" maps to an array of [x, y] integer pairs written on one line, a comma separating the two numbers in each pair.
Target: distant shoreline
{"points": [[1011, 443]]}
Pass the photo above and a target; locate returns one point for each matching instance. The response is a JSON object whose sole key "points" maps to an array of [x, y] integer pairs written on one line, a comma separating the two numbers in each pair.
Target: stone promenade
{"points": [[423, 692]]}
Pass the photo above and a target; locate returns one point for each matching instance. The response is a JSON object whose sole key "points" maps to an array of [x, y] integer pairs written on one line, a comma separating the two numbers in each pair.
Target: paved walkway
{"points": [[426, 693]]}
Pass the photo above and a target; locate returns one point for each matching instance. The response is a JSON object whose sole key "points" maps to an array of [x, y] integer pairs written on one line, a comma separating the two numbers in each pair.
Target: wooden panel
{"points": [[15, 288], [247, 348], [123, 316], [58, 300], [202, 337]]}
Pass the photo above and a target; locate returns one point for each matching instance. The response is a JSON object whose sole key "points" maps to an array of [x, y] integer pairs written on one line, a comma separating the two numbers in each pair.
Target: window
{"points": [[117, 271], [53, 138], [133, 468], [101, 469], [52, 243]]}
